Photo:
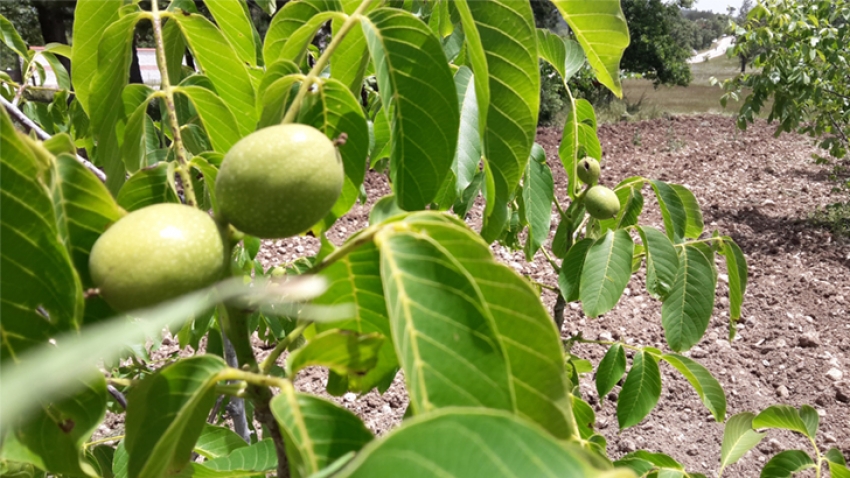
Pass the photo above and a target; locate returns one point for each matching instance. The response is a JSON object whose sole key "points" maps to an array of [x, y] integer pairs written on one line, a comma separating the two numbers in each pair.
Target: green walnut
{"points": [[588, 171], [279, 181], [601, 202], [157, 253]]}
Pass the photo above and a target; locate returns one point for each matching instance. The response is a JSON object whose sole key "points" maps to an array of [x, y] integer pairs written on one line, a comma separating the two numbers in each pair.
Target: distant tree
{"points": [[801, 69], [652, 24]]}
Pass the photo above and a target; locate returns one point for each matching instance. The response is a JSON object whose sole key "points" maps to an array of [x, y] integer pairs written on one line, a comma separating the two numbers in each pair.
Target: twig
{"points": [[236, 406], [558, 311], [118, 396], [267, 364], [31, 126]]}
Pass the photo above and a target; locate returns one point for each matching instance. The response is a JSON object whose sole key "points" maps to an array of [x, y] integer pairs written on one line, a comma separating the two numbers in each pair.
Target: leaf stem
{"points": [[551, 262], [700, 241], [323, 60], [366, 236], [267, 364], [607, 342], [165, 85], [252, 378], [103, 440]]}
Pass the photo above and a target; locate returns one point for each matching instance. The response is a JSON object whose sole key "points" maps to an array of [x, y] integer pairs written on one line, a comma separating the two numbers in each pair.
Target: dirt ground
{"points": [[793, 342]]}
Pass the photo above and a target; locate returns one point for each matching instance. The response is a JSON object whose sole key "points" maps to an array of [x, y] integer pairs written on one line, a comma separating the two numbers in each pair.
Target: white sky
{"points": [[718, 6]]}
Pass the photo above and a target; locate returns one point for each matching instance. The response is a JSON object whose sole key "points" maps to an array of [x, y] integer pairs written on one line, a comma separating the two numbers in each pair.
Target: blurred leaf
{"points": [[356, 279], [250, 460], [204, 164], [781, 416], [662, 262], [112, 75], [694, 224], [736, 267], [585, 417], [91, 19], [688, 306], [837, 464], [350, 58], [538, 192], [217, 59], [290, 18], [333, 109], [738, 439], [606, 273], [501, 44], [786, 463], [235, 23], [343, 351], [569, 279], [147, 187], [467, 159], [601, 29], [12, 39], [219, 122], [565, 55], [311, 444], [472, 443], [175, 48], [276, 99], [137, 134], [579, 140], [672, 210], [706, 386], [611, 370], [42, 293], [420, 101], [63, 80], [166, 413], [474, 332], [640, 392], [384, 209], [102, 457], [216, 441], [84, 209]]}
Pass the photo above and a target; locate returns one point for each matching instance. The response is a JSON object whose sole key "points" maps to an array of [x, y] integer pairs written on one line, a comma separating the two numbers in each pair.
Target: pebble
{"points": [[809, 339], [842, 392], [627, 446], [782, 391], [349, 397], [835, 374]]}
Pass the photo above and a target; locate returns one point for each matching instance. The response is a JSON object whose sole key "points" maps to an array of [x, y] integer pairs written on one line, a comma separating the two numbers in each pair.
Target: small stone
{"points": [[774, 444], [780, 343], [723, 277], [349, 397], [835, 374], [842, 392], [299, 249], [606, 336], [782, 391], [809, 339], [627, 446], [829, 438]]}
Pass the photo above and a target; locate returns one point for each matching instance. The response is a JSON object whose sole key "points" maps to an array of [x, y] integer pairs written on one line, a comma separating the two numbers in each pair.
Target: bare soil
{"points": [[793, 342]]}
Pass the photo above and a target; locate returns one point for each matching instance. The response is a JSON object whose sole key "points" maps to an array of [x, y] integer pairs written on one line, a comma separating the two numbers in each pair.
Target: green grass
{"points": [[643, 101]]}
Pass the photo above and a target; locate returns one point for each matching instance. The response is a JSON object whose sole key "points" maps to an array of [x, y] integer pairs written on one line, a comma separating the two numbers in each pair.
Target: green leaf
{"points": [[501, 43], [350, 59], [356, 279], [706, 386], [838, 470], [468, 154], [579, 140], [662, 262], [694, 224], [738, 439], [610, 370], [631, 204], [469, 331], [166, 413], [56, 434], [811, 418], [219, 121], [175, 48], [343, 351], [784, 417], [42, 293], [276, 99], [672, 210], [333, 109], [469, 443], [220, 63], [660, 460], [538, 192], [420, 101], [601, 29], [259, 457], [12, 39], [606, 273], [63, 80], [585, 417], [688, 306], [785, 464], [84, 209], [137, 133], [640, 392], [148, 186], [384, 209], [311, 444], [115, 54], [91, 19], [565, 55], [235, 23], [569, 279], [102, 457], [736, 267], [204, 164], [218, 441], [289, 19]]}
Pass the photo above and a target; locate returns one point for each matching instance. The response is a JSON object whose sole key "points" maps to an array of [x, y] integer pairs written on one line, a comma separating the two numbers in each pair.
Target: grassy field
{"points": [[641, 100]]}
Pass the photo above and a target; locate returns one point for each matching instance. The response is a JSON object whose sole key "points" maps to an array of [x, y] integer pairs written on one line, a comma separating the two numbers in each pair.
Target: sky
{"points": [[717, 6]]}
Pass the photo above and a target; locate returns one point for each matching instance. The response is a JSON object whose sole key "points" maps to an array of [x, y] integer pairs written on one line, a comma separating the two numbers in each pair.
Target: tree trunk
{"points": [[135, 69], [51, 18]]}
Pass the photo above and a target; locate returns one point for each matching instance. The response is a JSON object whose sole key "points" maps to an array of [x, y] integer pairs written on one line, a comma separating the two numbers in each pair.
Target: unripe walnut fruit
{"points": [[156, 253], [588, 171], [279, 181], [601, 202]]}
